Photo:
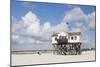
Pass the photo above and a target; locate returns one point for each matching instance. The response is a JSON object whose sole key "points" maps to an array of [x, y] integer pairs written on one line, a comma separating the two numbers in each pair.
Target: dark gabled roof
{"points": [[55, 34], [74, 33], [69, 33]]}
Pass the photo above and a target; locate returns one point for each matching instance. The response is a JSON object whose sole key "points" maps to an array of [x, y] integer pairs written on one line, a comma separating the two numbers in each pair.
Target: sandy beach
{"points": [[29, 59]]}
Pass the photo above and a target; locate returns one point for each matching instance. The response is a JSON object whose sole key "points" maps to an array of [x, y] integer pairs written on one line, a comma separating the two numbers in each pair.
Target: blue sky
{"points": [[46, 11], [54, 14]]}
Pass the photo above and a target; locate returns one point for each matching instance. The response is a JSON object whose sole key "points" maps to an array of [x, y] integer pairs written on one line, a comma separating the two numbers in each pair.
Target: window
{"points": [[72, 38], [64, 37], [75, 37]]}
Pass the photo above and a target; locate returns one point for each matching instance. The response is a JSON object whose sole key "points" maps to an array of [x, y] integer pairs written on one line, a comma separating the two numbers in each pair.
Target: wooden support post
{"points": [[54, 46], [79, 48]]}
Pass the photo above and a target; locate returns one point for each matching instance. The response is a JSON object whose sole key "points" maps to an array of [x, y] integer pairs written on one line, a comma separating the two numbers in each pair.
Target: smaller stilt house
{"points": [[67, 43]]}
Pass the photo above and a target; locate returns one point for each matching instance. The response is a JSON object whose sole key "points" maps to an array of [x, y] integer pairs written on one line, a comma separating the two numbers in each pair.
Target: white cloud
{"points": [[30, 18], [83, 22], [76, 14], [92, 19], [16, 25], [79, 24], [30, 25], [76, 30], [33, 29], [14, 37], [46, 26], [62, 27]]}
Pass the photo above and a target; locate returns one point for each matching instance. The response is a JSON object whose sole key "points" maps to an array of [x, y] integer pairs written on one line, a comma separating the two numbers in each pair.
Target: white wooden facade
{"points": [[72, 37]]}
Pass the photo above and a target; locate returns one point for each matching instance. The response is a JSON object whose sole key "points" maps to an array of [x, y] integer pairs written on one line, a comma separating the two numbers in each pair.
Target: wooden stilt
{"points": [[64, 49]]}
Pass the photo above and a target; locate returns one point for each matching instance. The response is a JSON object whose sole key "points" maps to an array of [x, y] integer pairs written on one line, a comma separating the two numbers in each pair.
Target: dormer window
{"points": [[75, 37], [72, 38]]}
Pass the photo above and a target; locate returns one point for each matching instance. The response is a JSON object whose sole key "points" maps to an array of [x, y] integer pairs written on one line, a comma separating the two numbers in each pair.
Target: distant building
{"points": [[67, 42], [72, 37]]}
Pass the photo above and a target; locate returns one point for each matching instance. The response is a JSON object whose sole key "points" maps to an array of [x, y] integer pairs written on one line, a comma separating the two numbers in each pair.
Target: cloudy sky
{"points": [[33, 23]]}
